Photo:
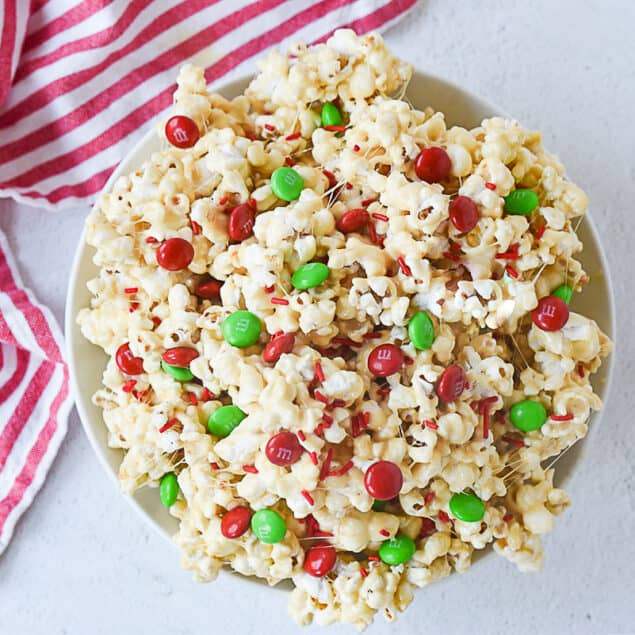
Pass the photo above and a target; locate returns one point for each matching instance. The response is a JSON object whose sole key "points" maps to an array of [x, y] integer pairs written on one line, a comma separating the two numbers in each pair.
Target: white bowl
{"points": [[87, 361]]}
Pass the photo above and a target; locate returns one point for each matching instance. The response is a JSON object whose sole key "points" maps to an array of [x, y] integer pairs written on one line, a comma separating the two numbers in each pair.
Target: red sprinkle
{"points": [[373, 558], [372, 232], [270, 289], [363, 572], [384, 391], [451, 256], [366, 416], [355, 427], [331, 177], [384, 532], [512, 441], [152, 239], [429, 497], [455, 247], [268, 126], [307, 497], [349, 186], [319, 373], [131, 290], [580, 369], [326, 466], [335, 128], [301, 435], [206, 396], [355, 148], [566, 417], [314, 458], [320, 396], [490, 186], [512, 254], [196, 228], [345, 468], [224, 200], [540, 232], [281, 301], [133, 307], [252, 136], [251, 469], [253, 203], [511, 271], [192, 398], [214, 465], [168, 425], [129, 385], [328, 421], [443, 517], [156, 320], [431, 424], [408, 361], [485, 423], [378, 216], [293, 135], [508, 516], [367, 201], [289, 162], [373, 335], [346, 341]]}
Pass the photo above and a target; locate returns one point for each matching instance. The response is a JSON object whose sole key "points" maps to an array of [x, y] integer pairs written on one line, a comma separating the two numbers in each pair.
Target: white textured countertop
{"points": [[81, 561]]}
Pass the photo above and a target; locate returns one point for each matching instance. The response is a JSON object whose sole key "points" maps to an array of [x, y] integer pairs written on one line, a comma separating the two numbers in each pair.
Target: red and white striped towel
{"points": [[80, 82]]}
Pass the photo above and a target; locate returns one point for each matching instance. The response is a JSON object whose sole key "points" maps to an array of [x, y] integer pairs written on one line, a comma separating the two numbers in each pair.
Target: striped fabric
{"points": [[80, 82]]}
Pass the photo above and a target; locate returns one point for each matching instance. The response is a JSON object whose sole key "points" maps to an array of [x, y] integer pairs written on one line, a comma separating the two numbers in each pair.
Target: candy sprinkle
{"points": [[250, 469], [490, 186], [301, 435], [307, 497], [384, 532], [382, 217], [214, 465], [355, 148], [367, 201], [512, 441], [130, 290], [129, 385], [314, 458], [566, 417], [428, 423], [293, 135], [320, 397], [363, 572], [289, 162], [224, 200], [372, 233], [152, 240], [192, 397], [510, 271], [327, 420], [429, 497], [196, 228], [326, 466], [508, 516], [540, 232], [281, 301], [580, 369], [319, 373], [335, 128], [269, 127], [443, 517], [168, 424], [374, 558]]}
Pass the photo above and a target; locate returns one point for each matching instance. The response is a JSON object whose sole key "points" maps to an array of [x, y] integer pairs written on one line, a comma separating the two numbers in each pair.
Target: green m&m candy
{"points": [[268, 526], [310, 275], [421, 331], [178, 372], [528, 415], [467, 507], [331, 115], [241, 329], [286, 184], [168, 489], [223, 420], [521, 202], [397, 550], [564, 292], [378, 506]]}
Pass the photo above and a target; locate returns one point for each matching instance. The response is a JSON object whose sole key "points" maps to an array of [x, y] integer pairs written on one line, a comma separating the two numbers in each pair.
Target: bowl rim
{"points": [[70, 317]]}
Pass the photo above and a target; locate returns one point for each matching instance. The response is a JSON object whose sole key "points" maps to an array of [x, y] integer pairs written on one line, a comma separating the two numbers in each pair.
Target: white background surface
{"points": [[82, 562]]}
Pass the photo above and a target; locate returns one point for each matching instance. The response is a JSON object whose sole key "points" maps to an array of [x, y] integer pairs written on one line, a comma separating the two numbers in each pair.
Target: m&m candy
{"points": [[521, 202], [127, 362], [398, 550], [241, 222], [175, 254], [467, 507], [168, 489], [463, 213], [235, 522], [528, 415], [383, 480], [353, 220], [320, 559], [277, 346], [268, 526], [451, 383], [241, 329], [551, 314], [331, 115], [180, 356], [310, 275], [421, 331], [209, 289], [286, 184], [283, 449], [433, 165], [177, 372], [181, 131], [385, 359], [224, 419], [564, 292]]}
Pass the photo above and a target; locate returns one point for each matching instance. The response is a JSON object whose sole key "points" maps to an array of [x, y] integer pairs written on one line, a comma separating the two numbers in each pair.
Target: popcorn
{"points": [[478, 287]]}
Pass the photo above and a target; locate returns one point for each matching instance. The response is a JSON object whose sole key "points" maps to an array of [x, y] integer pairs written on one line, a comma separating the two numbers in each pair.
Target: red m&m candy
{"points": [[463, 213], [451, 383], [352, 221], [283, 449], [278, 345], [127, 362], [241, 222], [433, 165], [180, 356], [551, 314], [175, 254], [385, 359], [320, 559], [209, 290], [181, 131], [383, 480], [235, 522]]}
